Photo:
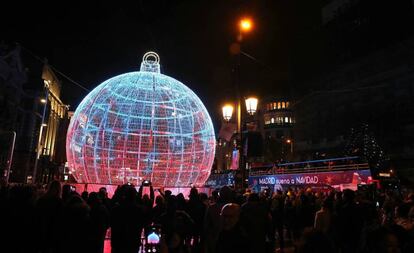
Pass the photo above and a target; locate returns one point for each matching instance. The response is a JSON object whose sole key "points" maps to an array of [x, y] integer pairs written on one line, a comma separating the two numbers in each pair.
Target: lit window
{"points": [[278, 105], [272, 120], [290, 120], [287, 104], [283, 104], [274, 106], [286, 119]]}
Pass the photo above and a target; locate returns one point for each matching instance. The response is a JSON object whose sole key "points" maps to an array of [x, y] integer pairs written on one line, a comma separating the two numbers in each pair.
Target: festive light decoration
{"points": [[153, 238], [363, 143], [141, 126]]}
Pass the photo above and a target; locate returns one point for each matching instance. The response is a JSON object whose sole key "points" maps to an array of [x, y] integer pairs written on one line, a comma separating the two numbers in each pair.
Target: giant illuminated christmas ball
{"points": [[141, 126]]}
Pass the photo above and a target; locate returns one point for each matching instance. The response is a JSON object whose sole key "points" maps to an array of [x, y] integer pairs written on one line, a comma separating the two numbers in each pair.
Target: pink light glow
{"points": [[111, 189], [141, 126]]}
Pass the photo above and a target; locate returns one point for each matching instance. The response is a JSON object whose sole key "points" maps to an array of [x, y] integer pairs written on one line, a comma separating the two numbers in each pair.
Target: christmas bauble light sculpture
{"points": [[141, 126]]}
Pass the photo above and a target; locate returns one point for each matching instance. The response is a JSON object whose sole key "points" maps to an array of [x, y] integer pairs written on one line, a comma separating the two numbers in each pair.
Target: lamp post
{"points": [[227, 112], [251, 105], [251, 108], [42, 125], [245, 25], [289, 141]]}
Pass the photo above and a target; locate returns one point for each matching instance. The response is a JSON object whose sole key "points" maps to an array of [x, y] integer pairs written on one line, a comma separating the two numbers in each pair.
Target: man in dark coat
{"points": [[126, 223], [232, 237]]}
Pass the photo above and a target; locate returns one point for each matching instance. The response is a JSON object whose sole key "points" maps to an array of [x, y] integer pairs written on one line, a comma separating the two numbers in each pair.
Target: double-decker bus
{"points": [[338, 173]]}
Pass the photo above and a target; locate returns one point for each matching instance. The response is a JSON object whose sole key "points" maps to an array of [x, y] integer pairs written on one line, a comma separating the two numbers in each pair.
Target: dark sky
{"points": [[91, 41]]}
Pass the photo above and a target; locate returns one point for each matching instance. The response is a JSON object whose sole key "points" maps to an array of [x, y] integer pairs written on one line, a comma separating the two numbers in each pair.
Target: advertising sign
{"points": [[235, 160], [336, 179]]}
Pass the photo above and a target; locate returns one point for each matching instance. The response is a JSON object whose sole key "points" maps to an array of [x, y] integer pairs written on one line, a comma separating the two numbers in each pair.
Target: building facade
{"points": [[18, 113], [23, 102], [278, 122], [50, 150], [367, 80]]}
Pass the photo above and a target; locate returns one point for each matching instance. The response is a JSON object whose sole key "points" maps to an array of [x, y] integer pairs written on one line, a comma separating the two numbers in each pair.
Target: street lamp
{"points": [[251, 105], [289, 141], [227, 112], [245, 24], [251, 108]]}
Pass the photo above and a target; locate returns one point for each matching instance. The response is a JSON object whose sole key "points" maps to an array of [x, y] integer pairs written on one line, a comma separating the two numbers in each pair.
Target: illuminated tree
{"points": [[362, 142]]}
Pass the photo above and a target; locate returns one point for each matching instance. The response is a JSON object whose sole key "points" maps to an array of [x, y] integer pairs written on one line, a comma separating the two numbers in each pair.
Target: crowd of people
{"points": [[58, 219]]}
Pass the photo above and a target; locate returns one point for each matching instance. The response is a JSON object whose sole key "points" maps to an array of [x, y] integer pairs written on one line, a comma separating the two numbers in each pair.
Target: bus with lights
{"points": [[333, 173]]}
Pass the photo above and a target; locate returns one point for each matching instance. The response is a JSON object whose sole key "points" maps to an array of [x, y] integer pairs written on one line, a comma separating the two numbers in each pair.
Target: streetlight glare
{"points": [[227, 112], [246, 24], [43, 100], [251, 105], [290, 142]]}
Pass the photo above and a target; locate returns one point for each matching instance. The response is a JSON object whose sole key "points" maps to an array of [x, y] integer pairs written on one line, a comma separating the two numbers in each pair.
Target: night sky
{"points": [[91, 41]]}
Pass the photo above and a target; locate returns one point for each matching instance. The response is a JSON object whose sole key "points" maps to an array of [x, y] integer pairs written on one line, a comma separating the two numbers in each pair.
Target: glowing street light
{"points": [[289, 141], [251, 105], [246, 25], [227, 112], [43, 100], [251, 108]]}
